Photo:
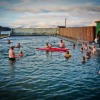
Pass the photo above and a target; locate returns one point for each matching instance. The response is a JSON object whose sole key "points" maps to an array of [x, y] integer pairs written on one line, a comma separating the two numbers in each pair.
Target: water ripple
{"points": [[41, 76]]}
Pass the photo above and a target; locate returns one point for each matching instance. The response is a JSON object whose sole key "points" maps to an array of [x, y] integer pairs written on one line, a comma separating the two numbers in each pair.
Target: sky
{"points": [[48, 13]]}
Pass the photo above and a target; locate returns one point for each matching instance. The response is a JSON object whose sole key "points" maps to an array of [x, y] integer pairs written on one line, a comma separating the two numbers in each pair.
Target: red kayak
{"points": [[54, 49]]}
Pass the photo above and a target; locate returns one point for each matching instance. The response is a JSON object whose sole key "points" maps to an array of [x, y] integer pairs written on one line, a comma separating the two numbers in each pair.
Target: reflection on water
{"points": [[11, 62], [48, 54], [40, 75], [12, 67]]}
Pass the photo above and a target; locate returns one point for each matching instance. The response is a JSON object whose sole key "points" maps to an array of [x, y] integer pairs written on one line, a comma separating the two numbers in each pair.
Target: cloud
{"points": [[31, 8], [48, 13], [56, 19], [28, 22], [44, 6], [40, 6]]}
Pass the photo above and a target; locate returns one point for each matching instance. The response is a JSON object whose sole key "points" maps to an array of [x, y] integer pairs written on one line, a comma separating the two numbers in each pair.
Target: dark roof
{"points": [[97, 21], [61, 27]]}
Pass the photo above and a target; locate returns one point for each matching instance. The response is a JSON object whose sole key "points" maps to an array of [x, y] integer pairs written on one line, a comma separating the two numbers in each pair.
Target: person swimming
{"points": [[67, 55], [74, 46], [18, 45], [83, 59], [8, 41]]}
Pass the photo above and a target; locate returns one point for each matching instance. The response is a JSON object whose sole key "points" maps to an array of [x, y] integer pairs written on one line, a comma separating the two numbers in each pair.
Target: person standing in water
{"points": [[12, 53], [48, 45], [96, 40], [99, 39], [61, 44], [83, 59]]}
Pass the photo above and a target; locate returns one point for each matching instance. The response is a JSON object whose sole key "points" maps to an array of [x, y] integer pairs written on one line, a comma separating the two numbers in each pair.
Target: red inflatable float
{"points": [[54, 49]]}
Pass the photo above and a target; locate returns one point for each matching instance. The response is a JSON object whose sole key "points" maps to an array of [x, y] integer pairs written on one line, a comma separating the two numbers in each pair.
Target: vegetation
{"points": [[5, 28]]}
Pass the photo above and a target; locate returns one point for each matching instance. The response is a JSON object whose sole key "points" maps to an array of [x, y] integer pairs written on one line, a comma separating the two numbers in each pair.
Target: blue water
{"points": [[47, 76]]}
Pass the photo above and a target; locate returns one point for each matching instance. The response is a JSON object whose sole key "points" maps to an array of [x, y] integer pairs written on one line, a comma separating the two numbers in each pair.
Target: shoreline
{"points": [[3, 36]]}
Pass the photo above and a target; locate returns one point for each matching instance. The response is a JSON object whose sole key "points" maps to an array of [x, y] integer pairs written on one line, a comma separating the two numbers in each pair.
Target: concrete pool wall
{"points": [[82, 33]]}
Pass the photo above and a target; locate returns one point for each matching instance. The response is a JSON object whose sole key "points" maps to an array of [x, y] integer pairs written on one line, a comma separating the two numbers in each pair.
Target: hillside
{"points": [[5, 28]]}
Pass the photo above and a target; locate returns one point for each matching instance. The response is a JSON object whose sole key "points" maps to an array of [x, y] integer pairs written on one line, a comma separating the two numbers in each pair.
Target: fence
{"points": [[82, 33]]}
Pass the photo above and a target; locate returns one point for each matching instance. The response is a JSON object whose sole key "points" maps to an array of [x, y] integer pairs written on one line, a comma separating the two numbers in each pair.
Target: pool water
{"points": [[47, 76]]}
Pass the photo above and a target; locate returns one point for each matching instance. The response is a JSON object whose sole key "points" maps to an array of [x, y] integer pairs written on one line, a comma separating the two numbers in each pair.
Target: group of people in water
{"points": [[85, 47], [61, 44], [90, 50], [12, 55]]}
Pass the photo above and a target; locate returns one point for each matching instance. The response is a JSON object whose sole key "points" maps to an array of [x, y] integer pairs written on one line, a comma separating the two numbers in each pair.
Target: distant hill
{"points": [[5, 28]]}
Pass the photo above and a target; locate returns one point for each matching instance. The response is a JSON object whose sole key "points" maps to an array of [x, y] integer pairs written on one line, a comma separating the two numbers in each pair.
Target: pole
{"points": [[65, 22]]}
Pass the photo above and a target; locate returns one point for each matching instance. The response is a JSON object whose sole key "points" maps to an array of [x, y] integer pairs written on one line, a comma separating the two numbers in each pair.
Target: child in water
{"points": [[67, 55], [20, 54]]}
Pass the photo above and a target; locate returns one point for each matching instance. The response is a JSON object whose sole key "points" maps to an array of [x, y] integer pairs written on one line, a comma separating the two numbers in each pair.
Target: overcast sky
{"points": [[48, 13]]}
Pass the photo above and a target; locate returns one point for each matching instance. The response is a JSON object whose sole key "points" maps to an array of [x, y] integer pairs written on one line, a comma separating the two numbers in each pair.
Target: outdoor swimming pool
{"points": [[41, 76]]}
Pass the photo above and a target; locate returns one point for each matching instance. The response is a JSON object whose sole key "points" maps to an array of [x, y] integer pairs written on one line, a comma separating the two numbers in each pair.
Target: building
{"points": [[97, 27]]}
